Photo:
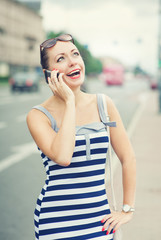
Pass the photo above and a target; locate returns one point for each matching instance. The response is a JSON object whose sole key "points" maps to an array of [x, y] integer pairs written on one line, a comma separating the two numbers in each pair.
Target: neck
{"points": [[78, 95]]}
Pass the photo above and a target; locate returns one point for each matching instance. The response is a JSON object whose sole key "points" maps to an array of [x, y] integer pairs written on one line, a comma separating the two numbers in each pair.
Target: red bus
{"points": [[113, 74]]}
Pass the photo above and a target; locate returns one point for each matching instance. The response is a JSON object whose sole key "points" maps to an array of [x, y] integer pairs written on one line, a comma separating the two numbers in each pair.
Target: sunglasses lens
{"points": [[51, 42], [65, 37]]}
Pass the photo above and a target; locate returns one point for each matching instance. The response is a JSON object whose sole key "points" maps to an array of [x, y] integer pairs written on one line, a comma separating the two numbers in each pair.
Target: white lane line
{"points": [[28, 97], [22, 151], [143, 99], [3, 94], [21, 118], [18, 98], [3, 125], [5, 101]]}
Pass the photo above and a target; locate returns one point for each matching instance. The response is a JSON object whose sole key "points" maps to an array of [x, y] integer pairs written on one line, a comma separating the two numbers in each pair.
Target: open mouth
{"points": [[74, 73]]}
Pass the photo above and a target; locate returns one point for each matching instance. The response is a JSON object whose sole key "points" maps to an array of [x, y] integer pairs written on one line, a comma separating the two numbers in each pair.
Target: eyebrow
{"points": [[64, 53]]}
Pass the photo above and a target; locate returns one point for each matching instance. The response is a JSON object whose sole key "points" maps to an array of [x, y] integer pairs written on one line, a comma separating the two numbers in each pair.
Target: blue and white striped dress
{"points": [[73, 200]]}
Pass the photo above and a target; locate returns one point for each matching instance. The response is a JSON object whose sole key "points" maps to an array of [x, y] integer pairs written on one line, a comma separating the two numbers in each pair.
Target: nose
{"points": [[71, 62]]}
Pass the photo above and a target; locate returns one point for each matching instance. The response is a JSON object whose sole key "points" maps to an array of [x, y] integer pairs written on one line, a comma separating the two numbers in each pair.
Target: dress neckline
{"points": [[96, 124], [88, 124]]}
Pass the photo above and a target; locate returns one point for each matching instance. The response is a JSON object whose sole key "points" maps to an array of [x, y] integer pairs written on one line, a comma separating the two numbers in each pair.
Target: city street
{"points": [[21, 170], [119, 43]]}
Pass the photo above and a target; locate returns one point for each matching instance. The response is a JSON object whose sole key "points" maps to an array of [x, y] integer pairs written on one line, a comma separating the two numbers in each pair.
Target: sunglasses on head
{"points": [[51, 42]]}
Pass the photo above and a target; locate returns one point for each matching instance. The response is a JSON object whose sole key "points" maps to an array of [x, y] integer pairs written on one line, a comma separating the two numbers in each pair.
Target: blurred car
{"points": [[153, 83], [24, 81], [113, 74]]}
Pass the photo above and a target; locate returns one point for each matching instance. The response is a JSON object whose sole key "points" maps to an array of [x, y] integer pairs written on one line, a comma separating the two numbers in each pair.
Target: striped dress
{"points": [[73, 200]]}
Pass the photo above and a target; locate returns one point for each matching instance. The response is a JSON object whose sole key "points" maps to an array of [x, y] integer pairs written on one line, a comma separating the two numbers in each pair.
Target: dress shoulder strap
{"points": [[103, 112], [48, 114]]}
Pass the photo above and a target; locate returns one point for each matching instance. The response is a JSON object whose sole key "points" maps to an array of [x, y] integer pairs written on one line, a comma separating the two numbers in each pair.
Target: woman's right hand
{"points": [[59, 87]]}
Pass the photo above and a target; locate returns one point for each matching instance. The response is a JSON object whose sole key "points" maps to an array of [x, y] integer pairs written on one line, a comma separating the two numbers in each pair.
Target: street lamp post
{"points": [[159, 57]]}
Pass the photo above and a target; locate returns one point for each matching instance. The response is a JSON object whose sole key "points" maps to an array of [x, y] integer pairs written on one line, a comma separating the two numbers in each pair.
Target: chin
{"points": [[74, 83]]}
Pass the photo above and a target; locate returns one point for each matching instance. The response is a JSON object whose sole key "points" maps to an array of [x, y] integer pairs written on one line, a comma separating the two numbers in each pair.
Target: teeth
{"points": [[73, 73]]}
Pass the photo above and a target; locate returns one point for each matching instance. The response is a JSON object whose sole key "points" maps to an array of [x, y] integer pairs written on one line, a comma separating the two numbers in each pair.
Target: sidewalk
{"points": [[146, 141]]}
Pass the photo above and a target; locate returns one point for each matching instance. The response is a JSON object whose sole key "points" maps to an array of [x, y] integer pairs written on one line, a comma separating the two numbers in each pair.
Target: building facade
{"points": [[21, 33]]}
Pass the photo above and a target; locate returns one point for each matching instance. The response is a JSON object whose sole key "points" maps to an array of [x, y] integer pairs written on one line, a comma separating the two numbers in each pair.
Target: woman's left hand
{"points": [[115, 220]]}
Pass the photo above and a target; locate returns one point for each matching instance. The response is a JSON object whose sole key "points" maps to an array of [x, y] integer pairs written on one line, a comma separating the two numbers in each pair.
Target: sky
{"points": [[123, 29]]}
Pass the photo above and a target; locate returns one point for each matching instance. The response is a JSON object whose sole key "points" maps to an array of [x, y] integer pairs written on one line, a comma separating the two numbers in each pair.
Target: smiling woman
{"points": [[60, 59], [69, 129]]}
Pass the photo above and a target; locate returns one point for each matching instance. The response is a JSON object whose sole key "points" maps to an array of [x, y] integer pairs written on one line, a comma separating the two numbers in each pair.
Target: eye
{"points": [[76, 53], [60, 59]]}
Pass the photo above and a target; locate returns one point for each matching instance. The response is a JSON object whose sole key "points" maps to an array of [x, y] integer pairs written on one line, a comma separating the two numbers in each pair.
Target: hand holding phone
{"points": [[60, 89], [48, 74]]}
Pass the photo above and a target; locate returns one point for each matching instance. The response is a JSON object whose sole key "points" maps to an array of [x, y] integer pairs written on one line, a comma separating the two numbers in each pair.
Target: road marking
{"points": [[29, 97], [21, 118], [143, 99], [3, 94], [22, 151], [3, 125], [6, 100], [18, 98]]}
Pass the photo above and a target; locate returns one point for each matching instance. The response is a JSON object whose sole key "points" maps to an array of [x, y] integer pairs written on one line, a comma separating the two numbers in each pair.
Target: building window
{"points": [[31, 42], [30, 47], [2, 31]]}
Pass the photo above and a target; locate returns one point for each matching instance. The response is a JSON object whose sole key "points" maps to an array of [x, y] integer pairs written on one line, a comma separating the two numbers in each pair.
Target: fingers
{"points": [[106, 217], [109, 224], [54, 76], [60, 78], [53, 81], [59, 86], [51, 85], [114, 220]]}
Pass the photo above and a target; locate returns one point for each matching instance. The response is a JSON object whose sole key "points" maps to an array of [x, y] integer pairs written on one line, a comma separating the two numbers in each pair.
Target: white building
{"points": [[21, 33]]}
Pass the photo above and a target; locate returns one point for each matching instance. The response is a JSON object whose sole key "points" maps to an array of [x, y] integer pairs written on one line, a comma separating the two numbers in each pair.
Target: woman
{"points": [[69, 129]]}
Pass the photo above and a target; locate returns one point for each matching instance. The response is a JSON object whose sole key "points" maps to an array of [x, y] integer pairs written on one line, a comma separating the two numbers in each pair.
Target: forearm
{"points": [[64, 143], [129, 181]]}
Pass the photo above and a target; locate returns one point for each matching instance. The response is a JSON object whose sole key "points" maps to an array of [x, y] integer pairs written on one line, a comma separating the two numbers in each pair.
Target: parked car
{"points": [[24, 81], [153, 83]]}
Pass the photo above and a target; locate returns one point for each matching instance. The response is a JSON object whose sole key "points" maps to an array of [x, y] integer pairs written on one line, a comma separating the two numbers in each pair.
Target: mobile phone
{"points": [[48, 74]]}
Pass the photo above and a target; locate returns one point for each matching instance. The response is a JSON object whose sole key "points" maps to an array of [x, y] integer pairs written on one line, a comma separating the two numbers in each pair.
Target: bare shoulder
{"points": [[112, 110], [110, 105], [35, 117], [109, 100]]}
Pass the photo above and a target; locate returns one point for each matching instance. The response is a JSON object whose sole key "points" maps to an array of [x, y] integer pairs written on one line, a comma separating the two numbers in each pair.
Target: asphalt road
{"points": [[21, 170]]}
